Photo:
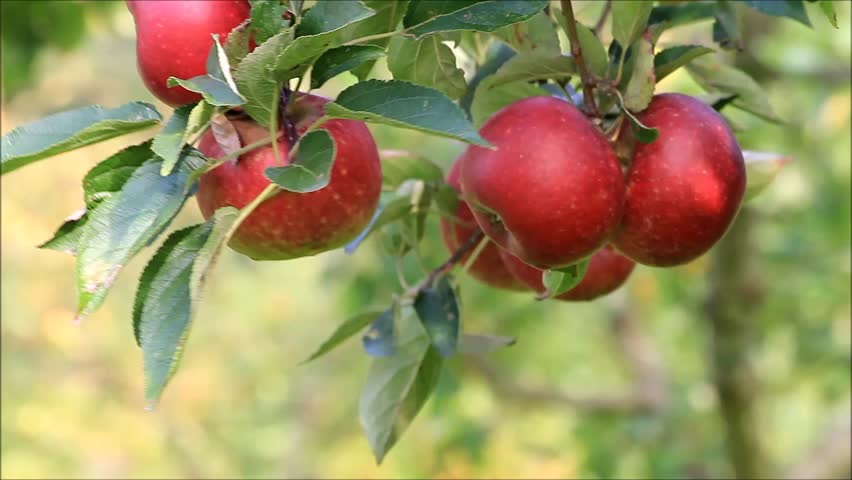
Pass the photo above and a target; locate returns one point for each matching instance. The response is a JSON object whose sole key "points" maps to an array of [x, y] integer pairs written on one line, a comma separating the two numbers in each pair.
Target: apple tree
{"points": [[575, 170]]}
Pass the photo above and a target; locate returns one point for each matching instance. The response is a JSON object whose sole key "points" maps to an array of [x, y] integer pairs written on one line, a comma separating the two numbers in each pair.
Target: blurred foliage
{"points": [[240, 407]]}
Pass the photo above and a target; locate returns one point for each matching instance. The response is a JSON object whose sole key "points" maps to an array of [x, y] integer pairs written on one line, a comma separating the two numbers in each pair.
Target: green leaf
{"points": [[557, 281], [391, 208], [726, 30], [664, 17], [794, 9], [109, 176], [400, 165], [405, 105], [439, 311], [185, 122], [431, 16], [472, 344], [386, 19], [498, 54], [531, 67], [70, 130], [326, 17], [641, 132], [311, 171], [126, 222], [342, 59], [827, 7], [344, 331], [267, 19], [380, 338], [640, 87], [67, 237], [487, 100], [670, 59], [168, 293], [536, 35], [594, 52], [397, 387], [629, 20], [426, 62], [717, 77], [216, 86], [237, 45], [761, 169], [255, 79]]}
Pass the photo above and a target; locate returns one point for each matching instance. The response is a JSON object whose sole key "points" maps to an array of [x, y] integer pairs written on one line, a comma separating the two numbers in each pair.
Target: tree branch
{"points": [[455, 258], [576, 52], [648, 393]]}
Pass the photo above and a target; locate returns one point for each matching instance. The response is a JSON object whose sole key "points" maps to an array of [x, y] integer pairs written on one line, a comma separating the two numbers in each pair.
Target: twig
{"points": [[455, 258], [586, 77], [602, 20]]}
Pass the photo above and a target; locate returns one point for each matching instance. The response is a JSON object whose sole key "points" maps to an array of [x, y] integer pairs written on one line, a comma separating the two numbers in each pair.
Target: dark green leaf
{"points": [[642, 133], [431, 16], [717, 77], [342, 59], [534, 66], [311, 171], [397, 387], [557, 281], [379, 339], [405, 105], [237, 45], [794, 9], [267, 19], [185, 122], [399, 166], [168, 293], [109, 176], [216, 86], [343, 332], [499, 53], [70, 130], [126, 222], [326, 17], [487, 100], [67, 237], [761, 169], [640, 87], [255, 79], [472, 344], [536, 35], [392, 207], [670, 59], [447, 199], [726, 30], [594, 52], [426, 62], [827, 7], [664, 17], [439, 311], [629, 20], [387, 18]]}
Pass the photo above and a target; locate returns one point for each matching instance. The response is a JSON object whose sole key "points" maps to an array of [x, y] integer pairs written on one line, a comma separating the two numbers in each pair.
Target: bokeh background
{"points": [[743, 356]]}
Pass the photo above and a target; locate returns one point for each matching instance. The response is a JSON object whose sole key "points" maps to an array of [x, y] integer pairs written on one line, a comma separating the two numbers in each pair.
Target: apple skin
{"points": [[291, 225], [553, 191], [488, 267], [607, 271], [685, 188], [173, 39]]}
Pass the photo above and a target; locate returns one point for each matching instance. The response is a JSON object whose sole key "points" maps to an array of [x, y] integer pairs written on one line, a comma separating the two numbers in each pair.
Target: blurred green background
{"points": [[774, 304]]}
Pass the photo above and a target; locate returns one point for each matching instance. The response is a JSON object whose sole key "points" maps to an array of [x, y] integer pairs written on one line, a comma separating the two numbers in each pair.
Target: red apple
{"points": [[291, 224], [552, 192], [173, 40], [488, 267], [684, 189], [607, 271]]}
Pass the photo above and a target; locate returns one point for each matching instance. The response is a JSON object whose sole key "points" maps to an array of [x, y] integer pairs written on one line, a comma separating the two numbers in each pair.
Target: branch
{"points": [[602, 20], [830, 455], [576, 52], [647, 394], [455, 258]]}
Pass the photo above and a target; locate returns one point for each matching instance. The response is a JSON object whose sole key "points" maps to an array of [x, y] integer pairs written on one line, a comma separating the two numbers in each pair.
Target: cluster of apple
{"points": [[553, 193]]}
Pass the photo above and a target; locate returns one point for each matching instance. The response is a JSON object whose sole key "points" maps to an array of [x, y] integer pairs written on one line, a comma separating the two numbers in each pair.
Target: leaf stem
{"points": [[264, 195], [587, 78], [235, 154], [475, 254], [372, 37], [602, 20]]}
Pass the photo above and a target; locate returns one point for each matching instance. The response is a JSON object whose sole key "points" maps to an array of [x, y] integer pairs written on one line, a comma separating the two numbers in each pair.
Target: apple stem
{"points": [[587, 79]]}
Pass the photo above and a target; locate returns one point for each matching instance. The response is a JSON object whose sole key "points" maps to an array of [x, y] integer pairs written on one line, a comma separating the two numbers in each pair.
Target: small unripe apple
{"points": [[684, 189], [488, 267], [552, 191], [290, 224], [173, 39], [607, 271]]}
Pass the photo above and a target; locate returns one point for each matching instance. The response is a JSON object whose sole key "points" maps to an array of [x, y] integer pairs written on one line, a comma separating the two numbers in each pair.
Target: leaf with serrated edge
{"points": [[536, 35], [424, 18], [670, 59], [344, 331], [594, 52], [534, 66], [70, 130], [311, 171], [629, 20], [397, 387], [342, 59], [266, 19], [717, 77], [640, 87], [126, 222], [67, 236], [761, 169], [426, 62], [168, 293], [405, 105], [390, 211], [474, 344], [255, 80], [110, 175], [169, 142], [216, 86]]}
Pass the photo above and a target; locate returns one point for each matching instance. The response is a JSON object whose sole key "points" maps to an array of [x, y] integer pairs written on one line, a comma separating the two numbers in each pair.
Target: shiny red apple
{"points": [[292, 224], [684, 189], [173, 39], [552, 191], [488, 267], [607, 271]]}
